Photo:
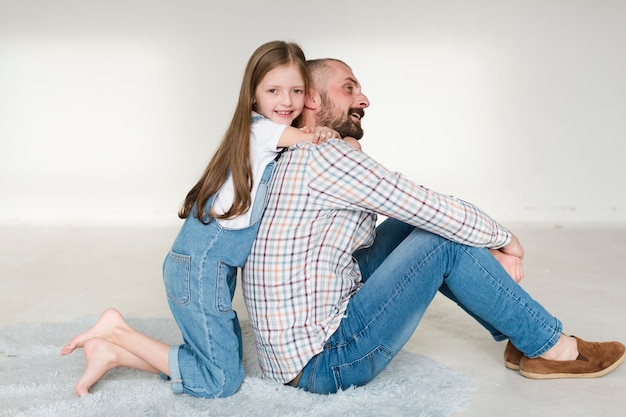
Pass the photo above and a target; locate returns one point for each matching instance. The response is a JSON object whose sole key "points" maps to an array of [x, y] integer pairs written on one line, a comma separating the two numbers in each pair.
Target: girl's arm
{"points": [[319, 134]]}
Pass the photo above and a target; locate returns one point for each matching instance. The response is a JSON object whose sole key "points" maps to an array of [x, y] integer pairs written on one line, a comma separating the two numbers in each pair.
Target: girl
{"points": [[222, 213]]}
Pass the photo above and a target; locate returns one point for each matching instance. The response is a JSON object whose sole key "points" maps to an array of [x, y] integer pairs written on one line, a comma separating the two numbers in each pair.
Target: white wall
{"points": [[109, 110]]}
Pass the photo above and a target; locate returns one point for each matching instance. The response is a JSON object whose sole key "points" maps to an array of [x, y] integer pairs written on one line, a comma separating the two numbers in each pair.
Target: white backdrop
{"points": [[109, 110]]}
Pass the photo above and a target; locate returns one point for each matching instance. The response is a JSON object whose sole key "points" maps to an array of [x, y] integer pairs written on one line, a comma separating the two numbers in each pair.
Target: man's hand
{"points": [[511, 264], [511, 257], [514, 248]]}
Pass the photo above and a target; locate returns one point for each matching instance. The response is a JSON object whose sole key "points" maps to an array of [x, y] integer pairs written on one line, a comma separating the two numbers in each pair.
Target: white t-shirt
{"points": [[263, 148]]}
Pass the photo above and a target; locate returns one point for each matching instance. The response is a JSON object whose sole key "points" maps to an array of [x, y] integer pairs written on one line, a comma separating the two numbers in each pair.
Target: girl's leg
{"points": [[101, 357], [200, 288], [111, 327]]}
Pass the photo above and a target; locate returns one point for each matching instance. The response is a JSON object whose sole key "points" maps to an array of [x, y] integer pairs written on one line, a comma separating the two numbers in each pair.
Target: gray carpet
{"points": [[36, 381]]}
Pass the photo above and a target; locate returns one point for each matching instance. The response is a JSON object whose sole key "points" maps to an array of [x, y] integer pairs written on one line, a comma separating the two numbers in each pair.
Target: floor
{"points": [[579, 273]]}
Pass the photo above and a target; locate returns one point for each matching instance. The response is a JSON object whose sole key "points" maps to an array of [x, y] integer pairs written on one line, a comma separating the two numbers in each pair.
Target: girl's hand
{"points": [[323, 133]]}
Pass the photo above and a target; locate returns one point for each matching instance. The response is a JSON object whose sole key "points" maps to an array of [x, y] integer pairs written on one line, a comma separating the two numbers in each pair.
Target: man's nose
{"points": [[362, 101]]}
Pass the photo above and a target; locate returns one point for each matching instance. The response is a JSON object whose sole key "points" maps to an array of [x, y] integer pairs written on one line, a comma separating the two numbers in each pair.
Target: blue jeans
{"points": [[402, 272], [200, 274]]}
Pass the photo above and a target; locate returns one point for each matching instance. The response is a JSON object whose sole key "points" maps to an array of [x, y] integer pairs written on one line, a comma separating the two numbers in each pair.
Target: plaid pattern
{"points": [[300, 273]]}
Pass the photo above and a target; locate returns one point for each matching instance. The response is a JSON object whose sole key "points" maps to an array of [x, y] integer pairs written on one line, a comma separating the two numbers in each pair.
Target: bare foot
{"points": [[101, 358], [103, 328]]}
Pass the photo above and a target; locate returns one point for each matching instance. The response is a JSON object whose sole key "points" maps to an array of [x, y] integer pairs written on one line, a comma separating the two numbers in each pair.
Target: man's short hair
{"points": [[321, 71]]}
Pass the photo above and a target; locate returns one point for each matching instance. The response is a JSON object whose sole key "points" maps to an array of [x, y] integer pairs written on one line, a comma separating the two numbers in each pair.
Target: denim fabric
{"points": [[402, 272], [200, 274]]}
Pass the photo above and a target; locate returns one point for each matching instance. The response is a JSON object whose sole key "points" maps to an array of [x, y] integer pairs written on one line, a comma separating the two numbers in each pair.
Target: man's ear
{"points": [[312, 100]]}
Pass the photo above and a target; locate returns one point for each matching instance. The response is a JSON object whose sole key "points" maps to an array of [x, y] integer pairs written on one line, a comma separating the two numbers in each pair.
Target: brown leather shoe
{"points": [[594, 359], [512, 356]]}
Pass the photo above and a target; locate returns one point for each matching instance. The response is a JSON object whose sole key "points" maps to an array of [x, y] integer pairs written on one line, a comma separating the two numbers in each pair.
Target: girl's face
{"points": [[280, 94]]}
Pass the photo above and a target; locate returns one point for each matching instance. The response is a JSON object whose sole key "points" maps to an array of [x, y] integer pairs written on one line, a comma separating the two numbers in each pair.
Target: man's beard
{"points": [[330, 117]]}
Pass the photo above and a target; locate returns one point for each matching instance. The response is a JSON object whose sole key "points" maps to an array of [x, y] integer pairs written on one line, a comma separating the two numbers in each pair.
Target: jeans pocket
{"points": [[176, 277], [363, 370]]}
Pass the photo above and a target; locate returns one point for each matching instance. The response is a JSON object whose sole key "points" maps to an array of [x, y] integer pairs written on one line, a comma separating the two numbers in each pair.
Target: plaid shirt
{"points": [[322, 206]]}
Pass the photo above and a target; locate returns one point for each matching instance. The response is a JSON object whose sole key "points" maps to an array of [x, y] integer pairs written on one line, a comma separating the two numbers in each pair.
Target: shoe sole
{"points": [[600, 373], [512, 366]]}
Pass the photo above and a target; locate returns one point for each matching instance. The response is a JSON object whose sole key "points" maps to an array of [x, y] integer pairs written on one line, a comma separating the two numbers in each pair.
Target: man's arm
{"points": [[353, 180]]}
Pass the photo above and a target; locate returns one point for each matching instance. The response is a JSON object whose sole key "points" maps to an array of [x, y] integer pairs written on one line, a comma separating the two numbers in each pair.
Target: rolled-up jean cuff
{"points": [[175, 378]]}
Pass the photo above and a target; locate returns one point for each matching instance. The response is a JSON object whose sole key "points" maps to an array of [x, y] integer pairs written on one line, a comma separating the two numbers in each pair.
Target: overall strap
{"points": [[261, 194]]}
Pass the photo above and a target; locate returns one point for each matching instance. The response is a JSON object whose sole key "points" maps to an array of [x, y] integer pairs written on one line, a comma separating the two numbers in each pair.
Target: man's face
{"points": [[342, 102]]}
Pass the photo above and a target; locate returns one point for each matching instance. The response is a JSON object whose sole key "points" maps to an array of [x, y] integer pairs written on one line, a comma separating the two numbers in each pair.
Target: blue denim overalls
{"points": [[200, 275]]}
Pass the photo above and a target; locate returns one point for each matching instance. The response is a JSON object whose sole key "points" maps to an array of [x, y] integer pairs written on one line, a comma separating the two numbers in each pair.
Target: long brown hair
{"points": [[233, 154]]}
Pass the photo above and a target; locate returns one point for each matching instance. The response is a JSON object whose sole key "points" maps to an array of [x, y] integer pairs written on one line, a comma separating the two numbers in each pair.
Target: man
{"points": [[332, 298]]}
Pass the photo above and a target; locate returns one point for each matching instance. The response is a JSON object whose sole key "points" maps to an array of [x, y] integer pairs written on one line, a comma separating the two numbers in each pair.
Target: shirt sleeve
{"points": [[265, 135], [344, 177]]}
